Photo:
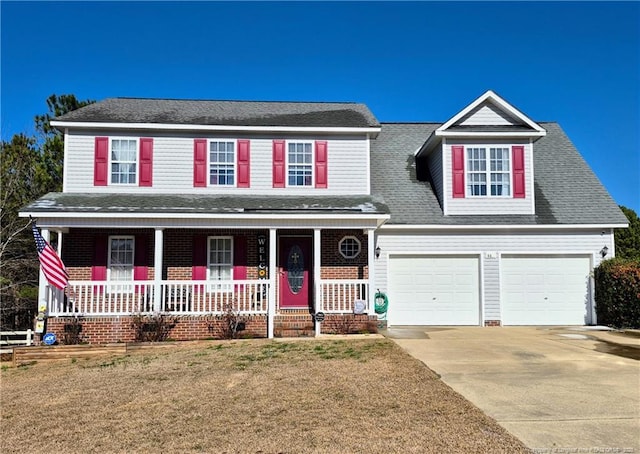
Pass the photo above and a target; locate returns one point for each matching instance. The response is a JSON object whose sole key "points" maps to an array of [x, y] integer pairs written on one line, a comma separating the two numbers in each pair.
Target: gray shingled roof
{"points": [[204, 204], [227, 113], [566, 190]]}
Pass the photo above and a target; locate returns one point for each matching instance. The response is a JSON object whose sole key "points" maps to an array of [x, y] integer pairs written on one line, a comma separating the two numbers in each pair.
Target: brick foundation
{"points": [[349, 324], [492, 323], [104, 330]]}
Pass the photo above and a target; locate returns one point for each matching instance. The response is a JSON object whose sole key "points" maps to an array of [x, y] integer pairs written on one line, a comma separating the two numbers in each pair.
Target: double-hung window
{"points": [[220, 258], [124, 161], [120, 261], [300, 163], [488, 171], [222, 162]]}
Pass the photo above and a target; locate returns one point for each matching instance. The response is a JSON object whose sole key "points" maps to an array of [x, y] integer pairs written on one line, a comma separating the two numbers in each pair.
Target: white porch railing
{"points": [[176, 297], [338, 296], [192, 297]]}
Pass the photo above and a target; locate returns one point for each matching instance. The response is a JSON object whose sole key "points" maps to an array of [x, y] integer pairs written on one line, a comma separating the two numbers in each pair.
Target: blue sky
{"points": [[571, 62]]}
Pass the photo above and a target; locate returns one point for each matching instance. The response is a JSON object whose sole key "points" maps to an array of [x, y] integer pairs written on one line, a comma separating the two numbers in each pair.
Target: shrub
{"points": [[232, 322], [72, 334], [152, 328], [617, 296]]}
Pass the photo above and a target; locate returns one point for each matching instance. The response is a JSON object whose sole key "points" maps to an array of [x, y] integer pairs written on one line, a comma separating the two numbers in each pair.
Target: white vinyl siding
{"points": [[487, 114], [487, 204], [347, 159], [490, 245], [435, 169]]}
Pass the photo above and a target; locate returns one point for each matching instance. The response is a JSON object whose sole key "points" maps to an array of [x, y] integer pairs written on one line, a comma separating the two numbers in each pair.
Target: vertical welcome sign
{"points": [[262, 257]]}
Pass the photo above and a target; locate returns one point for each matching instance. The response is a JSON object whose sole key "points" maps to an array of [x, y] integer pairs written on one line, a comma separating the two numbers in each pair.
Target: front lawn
{"points": [[326, 396]]}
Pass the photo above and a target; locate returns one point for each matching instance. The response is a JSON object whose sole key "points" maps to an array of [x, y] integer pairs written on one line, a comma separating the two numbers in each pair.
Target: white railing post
{"points": [[43, 301], [157, 270], [316, 276], [273, 272], [371, 257]]}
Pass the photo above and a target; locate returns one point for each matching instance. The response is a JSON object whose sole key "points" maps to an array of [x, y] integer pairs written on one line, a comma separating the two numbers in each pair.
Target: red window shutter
{"points": [[517, 157], [199, 265], [240, 258], [146, 162], [200, 163], [278, 163], [99, 263], [457, 152], [101, 161], [244, 160], [140, 262], [321, 164]]}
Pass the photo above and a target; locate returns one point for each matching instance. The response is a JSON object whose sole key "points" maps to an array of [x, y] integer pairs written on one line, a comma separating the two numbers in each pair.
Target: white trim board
{"points": [[191, 127], [503, 227]]}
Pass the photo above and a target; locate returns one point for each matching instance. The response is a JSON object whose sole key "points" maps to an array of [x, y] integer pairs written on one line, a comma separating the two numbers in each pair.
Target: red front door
{"points": [[296, 285]]}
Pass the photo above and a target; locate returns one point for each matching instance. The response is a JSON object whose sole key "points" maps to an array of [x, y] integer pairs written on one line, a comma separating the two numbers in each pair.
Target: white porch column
{"points": [[273, 275], [42, 281], [59, 246], [371, 255], [317, 256], [158, 252]]}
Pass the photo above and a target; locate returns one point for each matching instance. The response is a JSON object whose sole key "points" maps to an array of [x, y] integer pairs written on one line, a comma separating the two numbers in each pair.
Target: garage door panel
{"points": [[544, 290], [434, 290]]}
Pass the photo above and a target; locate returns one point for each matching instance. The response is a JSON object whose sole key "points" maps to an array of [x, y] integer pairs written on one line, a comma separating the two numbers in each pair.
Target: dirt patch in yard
{"points": [[337, 396]]}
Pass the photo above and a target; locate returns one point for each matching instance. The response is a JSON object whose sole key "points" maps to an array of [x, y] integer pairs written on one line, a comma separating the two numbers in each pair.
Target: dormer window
{"points": [[488, 171]]}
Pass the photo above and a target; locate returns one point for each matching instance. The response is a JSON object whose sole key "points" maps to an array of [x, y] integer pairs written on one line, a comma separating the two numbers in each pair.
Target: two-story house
{"points": [[285, 209]]}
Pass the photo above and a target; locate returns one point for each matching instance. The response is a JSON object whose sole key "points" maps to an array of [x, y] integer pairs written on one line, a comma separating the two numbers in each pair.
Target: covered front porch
{"points": [[278, 269]]}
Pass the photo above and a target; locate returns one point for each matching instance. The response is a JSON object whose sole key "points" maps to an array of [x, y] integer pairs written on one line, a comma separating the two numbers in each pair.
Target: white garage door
{"points": [[430, 290], [544, 290]]}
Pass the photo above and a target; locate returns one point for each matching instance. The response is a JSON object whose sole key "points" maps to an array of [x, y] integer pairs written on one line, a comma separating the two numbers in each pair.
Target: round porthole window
{"points": [[349, 247]]}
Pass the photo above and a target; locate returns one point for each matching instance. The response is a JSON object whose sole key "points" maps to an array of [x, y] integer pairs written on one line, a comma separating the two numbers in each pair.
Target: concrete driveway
{"points": [[557, 390]]}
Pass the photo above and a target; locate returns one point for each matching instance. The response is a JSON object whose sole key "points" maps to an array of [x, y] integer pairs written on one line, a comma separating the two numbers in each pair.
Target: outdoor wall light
{"points": [[378, 252], [604, 251]]}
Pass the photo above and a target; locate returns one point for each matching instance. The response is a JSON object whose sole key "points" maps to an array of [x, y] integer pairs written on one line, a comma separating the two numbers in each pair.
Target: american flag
{"points": [[52, 266]]}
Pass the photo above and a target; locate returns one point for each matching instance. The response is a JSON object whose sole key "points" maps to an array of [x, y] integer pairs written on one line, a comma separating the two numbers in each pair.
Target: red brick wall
{"points": [[334, 265], [103, 330], [78, 251], [349, 324], [492, 323]]}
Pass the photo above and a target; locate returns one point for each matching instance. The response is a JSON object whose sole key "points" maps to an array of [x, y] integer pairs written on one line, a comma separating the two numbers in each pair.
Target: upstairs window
{"points": [[300, 163], [488, 171], [222, 163], [124, 161]]}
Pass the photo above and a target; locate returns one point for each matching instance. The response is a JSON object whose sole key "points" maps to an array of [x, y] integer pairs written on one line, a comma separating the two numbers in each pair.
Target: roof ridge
{"points": [[231, 100]]}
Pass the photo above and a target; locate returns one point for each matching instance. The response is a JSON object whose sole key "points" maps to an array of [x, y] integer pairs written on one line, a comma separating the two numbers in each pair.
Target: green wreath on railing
{"points": [[381, 303]]}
